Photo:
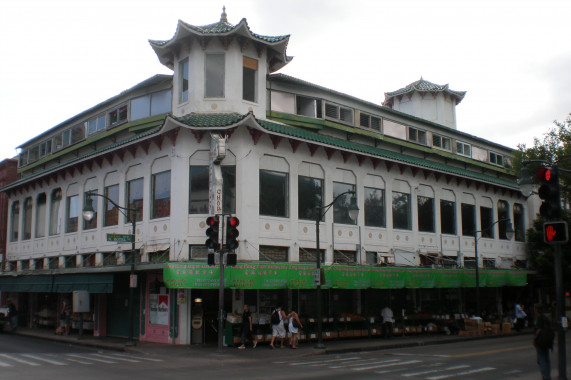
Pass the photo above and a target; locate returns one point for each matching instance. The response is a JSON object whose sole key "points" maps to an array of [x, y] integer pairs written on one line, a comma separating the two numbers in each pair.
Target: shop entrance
{"points": [[209, 306]]}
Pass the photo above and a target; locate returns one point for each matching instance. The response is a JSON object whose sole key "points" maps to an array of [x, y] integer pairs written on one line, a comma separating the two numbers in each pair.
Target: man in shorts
{"points": [[278, 329]]}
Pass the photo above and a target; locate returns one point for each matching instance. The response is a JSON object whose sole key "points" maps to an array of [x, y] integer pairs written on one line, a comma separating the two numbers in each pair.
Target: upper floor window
{"points": [[401, 211], [468, 219], [199, 191], [55, 212], [503, 218], [214, 76], [305, 106], [249, 79], [118, 115], [369, 121], [375, 207], [310, 195], [72, 213], [161, 195], [15, 225], [486, 230], [135, 197], [156, 103], [463, 149], [496, 158], [417, 135], [341, 206], [27, 219], [184, 81], [448, 217], [441, 142], [41, 207], [425, 214], [274, 196], [335, 112], [519, 227], [45, 148], [110, 211], [96, 124], [89, 196]]}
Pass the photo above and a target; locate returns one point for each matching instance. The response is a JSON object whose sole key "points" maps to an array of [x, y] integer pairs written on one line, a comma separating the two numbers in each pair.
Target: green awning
{"points": [[26, 284], [93, 283]]}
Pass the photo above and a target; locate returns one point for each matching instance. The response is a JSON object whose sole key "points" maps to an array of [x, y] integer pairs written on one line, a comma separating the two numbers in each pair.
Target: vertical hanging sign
{"points": [[217, 154]]}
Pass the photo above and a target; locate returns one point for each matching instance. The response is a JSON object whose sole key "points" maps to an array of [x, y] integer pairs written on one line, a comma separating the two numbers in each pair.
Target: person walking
{"points": [[66, 316], [247, 329], [293, 327], [278, 328], [520, 316], [388, 320], [12, 315], [543, 342]]}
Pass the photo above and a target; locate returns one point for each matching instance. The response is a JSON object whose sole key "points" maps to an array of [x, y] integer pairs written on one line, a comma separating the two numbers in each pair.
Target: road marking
{"points": [[354, 363], [386, 365], [54, 362], [90, 358], [492, 351], [19, 360], [139, 358], [78, 361], [426, 371], [321, 361], [116, 358], [4, 364], [463, 373]]}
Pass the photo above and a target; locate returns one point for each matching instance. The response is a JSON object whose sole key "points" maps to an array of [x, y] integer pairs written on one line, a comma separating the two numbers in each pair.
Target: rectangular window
{"points": [[27, 233], [463, 149], [470, 262], [55, 212], [335, 112], [375, 207], [140, 107], [448, 217], [41, 207], [486, 230], [111, 212], [184, 81], [341, 206], [198, 197], [274, 196], [135, 197], [161, 195], [249, 79], [78, 132], [15, 225], [95, 124], [72, 213], [489, 263], [401, 211], [441, 142], [214, 76], [497, 159], [417, 135], [503, 219], [274, 253], [118, 115], [310, 195], [91, 224], [161, 102], [468, 219], [519, 227], [344, 257], [368, 121], [425, 214], [308, 107], [66, 137]]}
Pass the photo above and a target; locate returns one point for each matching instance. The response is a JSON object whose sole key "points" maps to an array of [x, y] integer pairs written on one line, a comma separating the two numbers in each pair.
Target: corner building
{"points": [[423, 188]]}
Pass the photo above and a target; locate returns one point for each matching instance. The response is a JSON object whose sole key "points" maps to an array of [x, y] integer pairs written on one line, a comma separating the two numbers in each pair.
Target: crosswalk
{"points": [[8, 360], [428, 368]]}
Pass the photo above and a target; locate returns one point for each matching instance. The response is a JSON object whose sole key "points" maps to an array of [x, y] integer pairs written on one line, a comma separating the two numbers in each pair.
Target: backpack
{"points": [[294, 323], [275, 317], [545, 337]]}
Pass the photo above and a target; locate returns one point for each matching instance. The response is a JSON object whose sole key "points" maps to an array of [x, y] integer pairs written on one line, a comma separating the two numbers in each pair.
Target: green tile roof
{"points": [[422, 85], [210, 119]]}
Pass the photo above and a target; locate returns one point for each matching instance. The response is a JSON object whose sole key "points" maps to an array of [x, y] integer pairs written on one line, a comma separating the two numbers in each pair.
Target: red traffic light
{"points": [[544, 174], [211, 221], [233, 221]]}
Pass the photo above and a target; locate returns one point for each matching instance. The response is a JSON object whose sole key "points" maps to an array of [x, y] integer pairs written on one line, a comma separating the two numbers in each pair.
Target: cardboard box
{"points": [[506, 328]]}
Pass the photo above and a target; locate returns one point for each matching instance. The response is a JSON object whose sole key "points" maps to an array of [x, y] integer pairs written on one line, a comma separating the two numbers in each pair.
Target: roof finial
{"points": [[223, 15]]}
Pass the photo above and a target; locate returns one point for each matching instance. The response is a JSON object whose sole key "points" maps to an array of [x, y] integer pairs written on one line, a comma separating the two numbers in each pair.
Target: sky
{"points": [[513, 57]]}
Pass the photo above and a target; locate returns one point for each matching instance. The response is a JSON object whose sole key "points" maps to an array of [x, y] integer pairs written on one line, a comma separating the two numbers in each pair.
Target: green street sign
{"points": [[120, 238]]}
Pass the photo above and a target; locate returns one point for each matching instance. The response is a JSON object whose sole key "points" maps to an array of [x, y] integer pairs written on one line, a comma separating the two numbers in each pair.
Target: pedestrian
{"points": [[520, 316], [543, 342], [65, 316], [294, 326], [388, 320], [278, 328], [12, 315], [247, 329]]}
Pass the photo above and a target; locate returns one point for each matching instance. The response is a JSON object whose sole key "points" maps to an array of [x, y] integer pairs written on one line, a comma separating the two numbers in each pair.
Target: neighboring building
{"points": [[8, 174], [422, 186]]}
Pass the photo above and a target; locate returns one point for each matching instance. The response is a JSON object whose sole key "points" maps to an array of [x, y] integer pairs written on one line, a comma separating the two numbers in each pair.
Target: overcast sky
{"points": [[513, 57]]}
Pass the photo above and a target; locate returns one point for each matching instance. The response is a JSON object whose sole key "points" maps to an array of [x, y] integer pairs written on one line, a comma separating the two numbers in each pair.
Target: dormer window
{"points": [[249, 79], [117, 116], [96, 124], [369, 121], [463, 149], [417, 135], [335, 112], [497, 159], [441, 142], [214, 76]]}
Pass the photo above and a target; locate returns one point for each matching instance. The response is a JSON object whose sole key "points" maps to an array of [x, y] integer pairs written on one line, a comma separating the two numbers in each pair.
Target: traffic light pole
{"points": [[220, 253], [561, 359]]}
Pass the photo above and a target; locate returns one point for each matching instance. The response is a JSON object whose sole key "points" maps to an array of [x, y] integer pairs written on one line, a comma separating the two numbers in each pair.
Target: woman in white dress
{"points": [[293, 327]]}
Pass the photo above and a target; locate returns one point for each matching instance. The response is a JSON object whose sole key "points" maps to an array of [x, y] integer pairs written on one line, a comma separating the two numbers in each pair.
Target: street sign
{"points": [[555, 232], [120, 238]]}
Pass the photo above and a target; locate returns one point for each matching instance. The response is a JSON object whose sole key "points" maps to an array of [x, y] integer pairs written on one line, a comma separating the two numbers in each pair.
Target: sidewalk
{"points": [[262, 351]]}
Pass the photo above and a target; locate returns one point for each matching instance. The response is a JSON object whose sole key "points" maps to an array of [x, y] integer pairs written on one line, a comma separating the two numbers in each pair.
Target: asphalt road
{"points": [[506, 358]]}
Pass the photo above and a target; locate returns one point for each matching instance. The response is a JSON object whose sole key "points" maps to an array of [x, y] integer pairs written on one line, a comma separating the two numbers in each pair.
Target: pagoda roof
{"points": [[225, 31], [423, 86]]}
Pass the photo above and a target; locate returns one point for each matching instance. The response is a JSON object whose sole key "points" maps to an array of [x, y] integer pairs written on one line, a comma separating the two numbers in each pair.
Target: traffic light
{"points": [[213, 223], [232, 232], [211, 259], [549, 192], [231, 259], [555, 232]]}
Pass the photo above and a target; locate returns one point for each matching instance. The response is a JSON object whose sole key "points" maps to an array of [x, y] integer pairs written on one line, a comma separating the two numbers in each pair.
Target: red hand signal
{"points": [[550, 233]]}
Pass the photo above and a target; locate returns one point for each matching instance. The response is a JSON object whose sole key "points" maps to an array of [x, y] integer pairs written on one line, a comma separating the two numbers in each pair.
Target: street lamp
{"points": [[88, 214], [320, 212], [509, 235]]}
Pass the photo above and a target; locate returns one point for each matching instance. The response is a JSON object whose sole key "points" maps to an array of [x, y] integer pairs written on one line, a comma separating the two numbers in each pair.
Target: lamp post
{"points": [[88, 214], [320, 212], [509, 235]]}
